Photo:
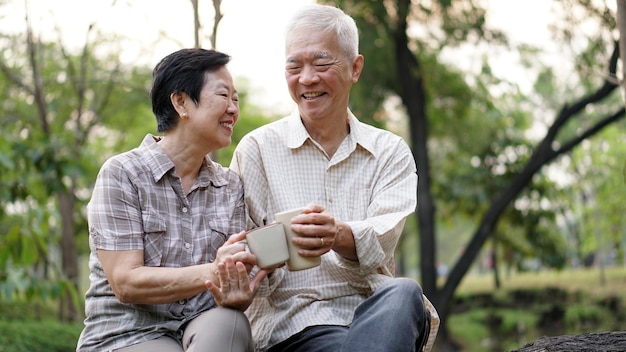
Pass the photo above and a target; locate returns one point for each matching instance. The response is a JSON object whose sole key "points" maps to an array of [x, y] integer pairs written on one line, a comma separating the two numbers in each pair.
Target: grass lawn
{"points": [[592, 281]]}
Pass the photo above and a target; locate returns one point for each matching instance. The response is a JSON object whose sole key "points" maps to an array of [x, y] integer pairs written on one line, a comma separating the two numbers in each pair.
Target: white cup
{"points": [[268, 245], [295, 261]]}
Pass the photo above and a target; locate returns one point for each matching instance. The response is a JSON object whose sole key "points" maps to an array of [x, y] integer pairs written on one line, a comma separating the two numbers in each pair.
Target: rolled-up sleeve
{"points": [[393, 198], [115, 219]]}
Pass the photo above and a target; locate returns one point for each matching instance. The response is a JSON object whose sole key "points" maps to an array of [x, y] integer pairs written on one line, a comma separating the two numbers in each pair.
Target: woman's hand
{"points": [[234, 249], [231, 286]]}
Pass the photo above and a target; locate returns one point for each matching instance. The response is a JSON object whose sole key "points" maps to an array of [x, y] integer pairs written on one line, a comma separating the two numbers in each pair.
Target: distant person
{"points": [[166, 271], [358, 184]]}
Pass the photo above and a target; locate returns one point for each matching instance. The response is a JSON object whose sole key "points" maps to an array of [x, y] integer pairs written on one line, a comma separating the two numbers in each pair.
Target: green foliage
{"points": [[34, 336], [31, 326], [469, 328], [481, 328], [64, 115], [584, 317], [516, 320], [596, 224]]}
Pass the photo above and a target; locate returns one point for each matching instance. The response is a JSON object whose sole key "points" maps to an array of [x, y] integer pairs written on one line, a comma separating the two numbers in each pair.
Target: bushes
{"points": [[31, 327], [38, 336]]}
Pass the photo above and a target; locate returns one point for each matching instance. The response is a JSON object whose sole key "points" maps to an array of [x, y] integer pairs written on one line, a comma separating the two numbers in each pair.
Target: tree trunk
{"points": [[621, 25], [69, 254], [493, 260], [414, 99], [196, 24]]}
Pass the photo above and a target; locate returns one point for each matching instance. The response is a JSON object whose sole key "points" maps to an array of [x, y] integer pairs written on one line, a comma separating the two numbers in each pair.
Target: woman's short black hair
{"points": [[183, 71]]}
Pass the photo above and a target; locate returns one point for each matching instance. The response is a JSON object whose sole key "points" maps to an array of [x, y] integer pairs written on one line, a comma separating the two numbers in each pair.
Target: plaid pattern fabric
{"points": [[370, 183], [138, 203]]}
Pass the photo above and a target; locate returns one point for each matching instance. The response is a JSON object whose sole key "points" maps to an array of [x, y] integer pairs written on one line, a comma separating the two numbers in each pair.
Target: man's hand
{"points": [[319, 232]]}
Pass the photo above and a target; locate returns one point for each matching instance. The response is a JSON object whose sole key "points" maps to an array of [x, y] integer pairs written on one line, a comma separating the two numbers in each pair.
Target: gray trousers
{"points": [[219, 330]]}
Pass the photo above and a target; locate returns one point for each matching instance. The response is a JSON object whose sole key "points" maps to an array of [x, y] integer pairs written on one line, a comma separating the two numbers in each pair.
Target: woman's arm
{"points": [[133, 282]]}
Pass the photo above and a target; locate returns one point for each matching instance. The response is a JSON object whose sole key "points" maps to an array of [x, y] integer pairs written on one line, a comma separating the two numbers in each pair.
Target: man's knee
{"points": [[404, 287], [409, 285]]}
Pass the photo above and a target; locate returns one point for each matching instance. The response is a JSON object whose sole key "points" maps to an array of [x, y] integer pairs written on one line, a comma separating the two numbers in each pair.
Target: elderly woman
{"points": [[166, 271]]}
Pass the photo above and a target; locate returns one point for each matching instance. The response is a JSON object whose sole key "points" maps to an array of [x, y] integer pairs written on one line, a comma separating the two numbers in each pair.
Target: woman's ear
{"points": [[178, 102]]}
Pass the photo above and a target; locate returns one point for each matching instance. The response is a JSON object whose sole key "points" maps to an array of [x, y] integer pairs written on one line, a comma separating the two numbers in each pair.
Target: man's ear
{"points": [[357, 68]]}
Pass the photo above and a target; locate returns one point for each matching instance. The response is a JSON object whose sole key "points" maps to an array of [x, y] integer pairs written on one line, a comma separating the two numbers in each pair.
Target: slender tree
{"points": [[621, 26]]}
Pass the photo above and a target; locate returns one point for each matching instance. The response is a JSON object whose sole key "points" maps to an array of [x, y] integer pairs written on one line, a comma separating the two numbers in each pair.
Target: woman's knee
{"points": [[225, 328]]}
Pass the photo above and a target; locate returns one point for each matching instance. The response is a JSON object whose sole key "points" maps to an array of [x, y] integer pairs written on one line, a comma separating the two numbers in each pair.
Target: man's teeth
{"points": [[312, 95], [226, 124]]}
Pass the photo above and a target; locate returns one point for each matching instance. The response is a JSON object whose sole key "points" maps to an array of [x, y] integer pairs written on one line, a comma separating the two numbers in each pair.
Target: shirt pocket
{"points": [[154, 228], [218, 232]]}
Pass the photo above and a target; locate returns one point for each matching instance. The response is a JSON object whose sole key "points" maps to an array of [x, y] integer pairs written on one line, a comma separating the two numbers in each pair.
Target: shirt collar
{"points": [[160, 164], [297, 132], [360, 134]]}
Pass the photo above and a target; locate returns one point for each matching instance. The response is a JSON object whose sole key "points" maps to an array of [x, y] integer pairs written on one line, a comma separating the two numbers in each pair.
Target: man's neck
{"points": [[328, 135]]}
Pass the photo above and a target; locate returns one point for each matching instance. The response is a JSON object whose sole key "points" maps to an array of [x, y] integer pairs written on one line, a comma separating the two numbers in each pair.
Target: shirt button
{"points": [[187, 245], [184, 209], [182, 301]]}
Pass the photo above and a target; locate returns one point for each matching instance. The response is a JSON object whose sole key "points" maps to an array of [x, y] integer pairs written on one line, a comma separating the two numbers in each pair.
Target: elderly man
{"points": [[357, 185]]}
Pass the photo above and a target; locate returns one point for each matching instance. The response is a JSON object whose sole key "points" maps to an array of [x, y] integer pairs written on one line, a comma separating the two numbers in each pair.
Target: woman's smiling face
{"points": [[218, 109]]}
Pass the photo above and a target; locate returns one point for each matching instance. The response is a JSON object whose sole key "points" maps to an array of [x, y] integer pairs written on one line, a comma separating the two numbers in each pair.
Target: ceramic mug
{"points": [[268, 245], [295, 261]]}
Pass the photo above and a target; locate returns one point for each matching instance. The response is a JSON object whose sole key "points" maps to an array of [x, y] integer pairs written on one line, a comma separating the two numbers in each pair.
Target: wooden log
{"points": [[609, 341]]}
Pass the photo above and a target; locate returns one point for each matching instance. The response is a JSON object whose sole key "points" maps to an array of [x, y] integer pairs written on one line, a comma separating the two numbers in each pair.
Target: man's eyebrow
{"points": [[322, 55], [318, 55]]}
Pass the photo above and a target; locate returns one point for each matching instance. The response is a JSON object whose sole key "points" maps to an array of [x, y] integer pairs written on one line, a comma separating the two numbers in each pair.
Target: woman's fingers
{"points": [[236, 237]]}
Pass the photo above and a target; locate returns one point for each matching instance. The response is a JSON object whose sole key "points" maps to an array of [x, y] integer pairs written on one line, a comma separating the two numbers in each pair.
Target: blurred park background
{"points": [[513, 110]]}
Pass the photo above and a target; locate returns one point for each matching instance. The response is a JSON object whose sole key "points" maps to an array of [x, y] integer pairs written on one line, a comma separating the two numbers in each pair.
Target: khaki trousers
{"points": [[218, 330]]}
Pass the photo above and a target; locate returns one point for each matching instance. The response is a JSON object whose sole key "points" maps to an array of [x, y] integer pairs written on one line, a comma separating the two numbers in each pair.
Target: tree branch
{"points": [[542, 155], [607, 88]]}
